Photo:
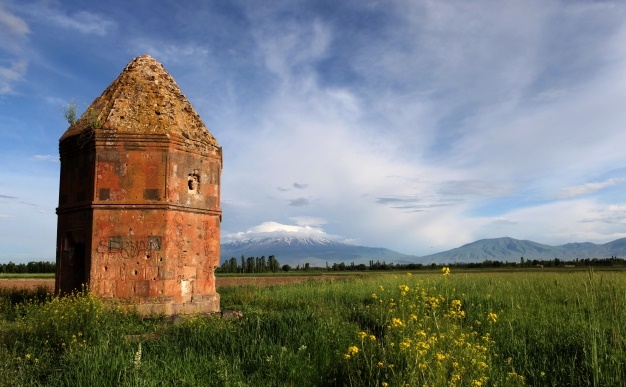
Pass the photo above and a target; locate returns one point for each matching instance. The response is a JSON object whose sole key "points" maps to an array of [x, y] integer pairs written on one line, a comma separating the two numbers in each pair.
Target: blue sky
{"points": [[413, 125]]}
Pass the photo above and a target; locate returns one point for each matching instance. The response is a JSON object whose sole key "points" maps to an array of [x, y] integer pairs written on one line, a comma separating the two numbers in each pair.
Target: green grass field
{"points": [[532, 328], [26, 275]]}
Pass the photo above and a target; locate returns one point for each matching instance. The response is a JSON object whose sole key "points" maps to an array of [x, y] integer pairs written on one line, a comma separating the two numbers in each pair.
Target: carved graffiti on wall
{"points": [[129, 248], [181, 242]]}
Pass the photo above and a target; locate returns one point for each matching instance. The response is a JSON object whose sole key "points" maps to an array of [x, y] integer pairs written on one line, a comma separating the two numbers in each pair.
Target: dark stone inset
{"points": [[152, 194], [154, 243], [142, 288], [109, 155], [104, 194], [115, 244]]}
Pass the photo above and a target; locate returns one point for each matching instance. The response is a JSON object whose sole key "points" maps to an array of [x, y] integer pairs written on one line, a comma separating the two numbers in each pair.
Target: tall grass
{"points": [[460, 329]]}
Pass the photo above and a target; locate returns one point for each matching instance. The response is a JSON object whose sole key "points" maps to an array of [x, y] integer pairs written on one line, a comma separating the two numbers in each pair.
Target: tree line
{"points": [[30, 267], [251, 265], [556, 262]]}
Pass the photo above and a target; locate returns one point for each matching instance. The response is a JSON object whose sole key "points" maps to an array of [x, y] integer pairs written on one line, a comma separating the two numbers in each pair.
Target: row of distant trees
{"points": [[556, 262], [30, 267], [271, 265], [252, 265]]}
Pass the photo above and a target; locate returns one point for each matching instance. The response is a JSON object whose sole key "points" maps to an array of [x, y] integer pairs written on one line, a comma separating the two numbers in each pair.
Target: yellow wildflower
{"points": [[396, 322], [492, 317], [445, 271]]}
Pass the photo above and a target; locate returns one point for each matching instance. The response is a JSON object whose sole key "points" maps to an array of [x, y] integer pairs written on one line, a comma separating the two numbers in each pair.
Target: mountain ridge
{"points": [[314, 251], [508, 249], [321, 251]]}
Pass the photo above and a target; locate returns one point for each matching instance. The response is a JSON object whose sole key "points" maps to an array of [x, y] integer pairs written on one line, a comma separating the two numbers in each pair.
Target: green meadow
{"points": [[535, 328]]}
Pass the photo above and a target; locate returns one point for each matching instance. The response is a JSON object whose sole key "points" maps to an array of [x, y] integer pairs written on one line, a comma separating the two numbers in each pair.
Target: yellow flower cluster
{"points": [[426, 338], [353, 350]]}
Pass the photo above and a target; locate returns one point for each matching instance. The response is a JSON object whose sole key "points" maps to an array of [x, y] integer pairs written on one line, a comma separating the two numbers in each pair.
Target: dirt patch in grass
{"points": [[27, 283], [34, 283]]}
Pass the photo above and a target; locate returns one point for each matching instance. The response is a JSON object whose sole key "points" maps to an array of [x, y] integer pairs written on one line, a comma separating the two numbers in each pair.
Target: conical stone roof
{"points": [[144, 99]]}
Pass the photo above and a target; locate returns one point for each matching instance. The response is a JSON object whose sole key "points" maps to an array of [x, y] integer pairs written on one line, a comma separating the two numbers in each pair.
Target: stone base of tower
{"points": [[208, 304]]}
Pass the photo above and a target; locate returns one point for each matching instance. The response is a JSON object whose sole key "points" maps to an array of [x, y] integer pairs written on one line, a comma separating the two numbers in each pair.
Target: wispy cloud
{"points": [[51, 158], [299, 202], [308, 220], [169, 52], [13, 33], [613, 214], [9, 75], [300, 186], [12, 24], [503, 222], [7, 197], [588, 188], [85, 22], [474, 188], [412, 203], [2, 216]]}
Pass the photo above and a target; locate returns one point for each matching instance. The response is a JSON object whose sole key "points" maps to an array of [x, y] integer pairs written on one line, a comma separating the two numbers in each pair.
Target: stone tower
{"points": [[139, 200]]}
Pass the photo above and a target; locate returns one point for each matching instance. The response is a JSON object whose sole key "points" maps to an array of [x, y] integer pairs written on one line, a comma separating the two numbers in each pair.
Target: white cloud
{"points": [[587, 188], [278, 230]]}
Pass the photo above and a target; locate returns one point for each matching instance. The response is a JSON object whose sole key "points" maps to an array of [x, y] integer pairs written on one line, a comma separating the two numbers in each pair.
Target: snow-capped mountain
{"points": [[314, 251]]}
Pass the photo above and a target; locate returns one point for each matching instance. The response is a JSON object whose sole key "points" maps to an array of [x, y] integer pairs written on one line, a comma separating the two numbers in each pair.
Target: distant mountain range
{"points": [[511, 250], [314, 251], [319, 251]]}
